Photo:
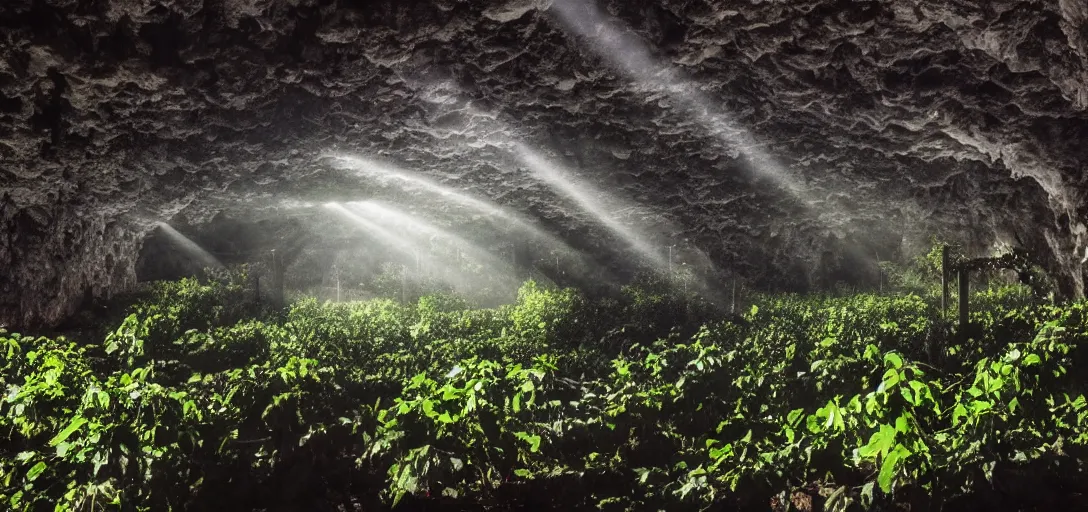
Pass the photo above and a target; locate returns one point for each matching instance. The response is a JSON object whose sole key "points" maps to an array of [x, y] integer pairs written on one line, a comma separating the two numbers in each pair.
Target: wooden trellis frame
{"points": [[1016, 260]]}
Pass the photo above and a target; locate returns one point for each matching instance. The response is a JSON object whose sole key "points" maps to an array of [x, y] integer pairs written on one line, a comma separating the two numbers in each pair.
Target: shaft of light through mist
{"points": [[412, 223], [206, 259], [449, 274], [376, 230], [562, 181], [388, 214], [627, 53], [383, 170]]}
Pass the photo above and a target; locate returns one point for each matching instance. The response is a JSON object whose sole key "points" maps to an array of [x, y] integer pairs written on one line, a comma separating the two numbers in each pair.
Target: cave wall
{"points": [[919, 117]]}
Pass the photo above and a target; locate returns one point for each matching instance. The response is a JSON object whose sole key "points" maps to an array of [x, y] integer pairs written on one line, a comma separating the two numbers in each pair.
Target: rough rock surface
{"points": [[777, 136]]}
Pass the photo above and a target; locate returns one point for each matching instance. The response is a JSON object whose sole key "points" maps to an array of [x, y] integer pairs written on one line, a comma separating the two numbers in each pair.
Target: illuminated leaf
{"points": [[73, 426]]}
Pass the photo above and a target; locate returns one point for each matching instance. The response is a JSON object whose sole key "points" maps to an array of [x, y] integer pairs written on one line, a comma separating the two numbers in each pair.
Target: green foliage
{"points": [[197, 402]]}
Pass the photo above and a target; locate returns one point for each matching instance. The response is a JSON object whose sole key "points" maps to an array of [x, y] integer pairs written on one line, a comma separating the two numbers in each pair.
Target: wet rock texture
{"points": [[890, 119]]}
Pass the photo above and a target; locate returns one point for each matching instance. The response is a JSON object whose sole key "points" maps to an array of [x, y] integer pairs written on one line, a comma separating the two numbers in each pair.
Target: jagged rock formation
{"points": [[899, 119]]}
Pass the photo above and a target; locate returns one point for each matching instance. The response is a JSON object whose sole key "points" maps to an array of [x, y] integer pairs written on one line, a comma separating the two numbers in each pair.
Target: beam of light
{"points": [[293, 204], [386, 171], [563, 181], [548, 173], [379, 232], [449, 274], [409, 223], [573, 260], [629, 54], [204, 257]]}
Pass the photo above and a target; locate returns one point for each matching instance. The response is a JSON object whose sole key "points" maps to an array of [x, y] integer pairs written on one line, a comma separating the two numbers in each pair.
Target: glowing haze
{"points": [[204, 257], [627, 53], [381, 170], [413, 237], [412, 225], [563, 181], [387, 171]]}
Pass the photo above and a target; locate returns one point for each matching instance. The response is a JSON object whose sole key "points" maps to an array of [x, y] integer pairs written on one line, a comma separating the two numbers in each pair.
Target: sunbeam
{"points": [[386, 171], [415, 246], [379, 232], [564, 182], [411, 225], [495, 213], [629, 54], [204, 257]]}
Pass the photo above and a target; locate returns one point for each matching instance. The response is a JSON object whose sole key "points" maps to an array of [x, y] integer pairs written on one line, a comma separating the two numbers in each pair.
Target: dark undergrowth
{"points": [[197, 400]]}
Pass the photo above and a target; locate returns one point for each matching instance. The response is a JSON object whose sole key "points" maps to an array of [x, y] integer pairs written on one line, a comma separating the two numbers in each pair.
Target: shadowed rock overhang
{"points": [[778, 138]]}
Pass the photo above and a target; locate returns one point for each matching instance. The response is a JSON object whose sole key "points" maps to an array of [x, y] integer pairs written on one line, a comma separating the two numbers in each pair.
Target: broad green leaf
{"points": [[103, 399], [890, 379], [918, 388], [958, 413], [880, 443], [721, 452], [73, 426], [890, 467], [1013, 355], [533, 440], [908, 395], [36, 471], [894, 360], [902, 424], [428, 409]]}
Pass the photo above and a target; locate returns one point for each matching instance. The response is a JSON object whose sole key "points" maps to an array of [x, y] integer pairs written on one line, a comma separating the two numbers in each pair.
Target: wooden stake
{"points": [[965, 318], [945, 276], [733, 304]]}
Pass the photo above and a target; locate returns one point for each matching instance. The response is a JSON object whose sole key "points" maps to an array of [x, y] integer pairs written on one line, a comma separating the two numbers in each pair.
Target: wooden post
{"points": [[945, 276], [879, 273], [278, 271], [404, 284], [733, 302], [965, 293]]}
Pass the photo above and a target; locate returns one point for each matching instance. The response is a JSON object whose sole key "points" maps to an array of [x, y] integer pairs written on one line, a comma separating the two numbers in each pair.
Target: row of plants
{"points": [[638, 402]]}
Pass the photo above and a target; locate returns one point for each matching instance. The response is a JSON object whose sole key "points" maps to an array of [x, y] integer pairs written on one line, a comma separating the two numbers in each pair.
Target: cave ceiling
{"points": [[761, 134]]}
